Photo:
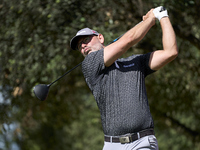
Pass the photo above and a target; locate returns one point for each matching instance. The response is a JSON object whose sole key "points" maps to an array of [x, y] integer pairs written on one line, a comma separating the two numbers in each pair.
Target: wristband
{"points": [[160, 12]]}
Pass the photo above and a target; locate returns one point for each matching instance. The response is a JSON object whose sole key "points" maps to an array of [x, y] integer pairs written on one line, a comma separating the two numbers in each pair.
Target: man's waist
{"points": [[130, 137]]}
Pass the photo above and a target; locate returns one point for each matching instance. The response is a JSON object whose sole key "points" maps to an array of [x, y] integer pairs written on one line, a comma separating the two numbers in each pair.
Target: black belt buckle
{"points": [[125, 139]]}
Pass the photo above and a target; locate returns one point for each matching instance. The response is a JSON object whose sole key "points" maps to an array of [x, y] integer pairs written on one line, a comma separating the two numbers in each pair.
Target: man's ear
{"points": [[101, 38]]}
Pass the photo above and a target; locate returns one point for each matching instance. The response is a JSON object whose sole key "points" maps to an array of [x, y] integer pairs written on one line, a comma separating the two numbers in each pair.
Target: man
{"points": [[118, 84]]}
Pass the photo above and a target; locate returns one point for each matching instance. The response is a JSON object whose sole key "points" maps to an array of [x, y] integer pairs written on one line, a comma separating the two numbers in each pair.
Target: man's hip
{"points": [[143, 139]]}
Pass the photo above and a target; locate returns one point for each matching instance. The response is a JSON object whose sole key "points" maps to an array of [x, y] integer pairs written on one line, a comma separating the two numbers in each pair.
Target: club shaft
{"points": [[64, 74]]}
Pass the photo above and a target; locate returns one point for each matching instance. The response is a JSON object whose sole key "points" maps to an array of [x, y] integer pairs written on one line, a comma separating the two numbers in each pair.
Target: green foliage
{"points": [[34, 49]]}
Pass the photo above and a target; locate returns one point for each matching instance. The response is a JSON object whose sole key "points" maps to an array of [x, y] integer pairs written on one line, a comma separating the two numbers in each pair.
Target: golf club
{"points": [[41, 90]]}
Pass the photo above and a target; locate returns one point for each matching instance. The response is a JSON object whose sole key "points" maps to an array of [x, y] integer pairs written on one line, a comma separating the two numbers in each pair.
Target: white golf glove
{"points": [[160, 12]]}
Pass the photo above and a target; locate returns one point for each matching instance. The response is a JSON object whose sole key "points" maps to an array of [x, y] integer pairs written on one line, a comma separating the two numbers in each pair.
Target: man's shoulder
{"points": [[93, 61], [94, 55]]}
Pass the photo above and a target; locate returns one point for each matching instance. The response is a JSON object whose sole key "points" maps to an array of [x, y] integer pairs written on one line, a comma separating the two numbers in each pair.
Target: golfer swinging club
{"points": [[118, 84]]}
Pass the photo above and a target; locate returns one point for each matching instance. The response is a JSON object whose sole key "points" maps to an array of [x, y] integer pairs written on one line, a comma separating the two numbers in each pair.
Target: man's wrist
{"points": [[160, 12]]}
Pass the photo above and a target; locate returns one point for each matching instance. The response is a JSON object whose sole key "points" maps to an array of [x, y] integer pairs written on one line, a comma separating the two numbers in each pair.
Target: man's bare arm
{"points": [[113, 51], [160, 58]]}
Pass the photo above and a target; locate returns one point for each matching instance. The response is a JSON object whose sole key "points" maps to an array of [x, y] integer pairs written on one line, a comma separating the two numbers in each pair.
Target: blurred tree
{"points": [[34, 48]]}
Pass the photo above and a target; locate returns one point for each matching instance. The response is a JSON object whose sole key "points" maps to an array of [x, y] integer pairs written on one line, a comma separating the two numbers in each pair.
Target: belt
{"points": [[128, 138]]}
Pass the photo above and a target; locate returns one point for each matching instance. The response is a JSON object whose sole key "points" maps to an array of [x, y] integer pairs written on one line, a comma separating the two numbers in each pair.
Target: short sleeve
{"points": [[93, 67]]}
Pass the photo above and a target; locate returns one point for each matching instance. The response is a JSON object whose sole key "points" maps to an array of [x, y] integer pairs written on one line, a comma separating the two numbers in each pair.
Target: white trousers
{"points": [[145, 143]]}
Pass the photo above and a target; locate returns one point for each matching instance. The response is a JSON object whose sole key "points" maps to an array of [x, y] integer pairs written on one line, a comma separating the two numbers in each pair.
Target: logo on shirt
{"points": [[125, 66], [130, 65]]}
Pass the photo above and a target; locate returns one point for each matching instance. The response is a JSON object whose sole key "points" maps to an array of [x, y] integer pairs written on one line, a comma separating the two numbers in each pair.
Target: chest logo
{"points": [[130, 65]]}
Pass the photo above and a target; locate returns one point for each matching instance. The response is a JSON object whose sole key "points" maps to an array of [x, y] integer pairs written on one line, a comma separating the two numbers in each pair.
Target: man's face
{"points": [[88, 44]]}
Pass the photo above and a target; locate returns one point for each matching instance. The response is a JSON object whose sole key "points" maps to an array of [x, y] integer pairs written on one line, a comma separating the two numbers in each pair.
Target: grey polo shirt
{"points": [[120, 92]]}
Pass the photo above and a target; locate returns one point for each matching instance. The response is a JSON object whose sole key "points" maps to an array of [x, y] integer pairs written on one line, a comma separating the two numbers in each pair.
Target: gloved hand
{"points": [[160, 12]]}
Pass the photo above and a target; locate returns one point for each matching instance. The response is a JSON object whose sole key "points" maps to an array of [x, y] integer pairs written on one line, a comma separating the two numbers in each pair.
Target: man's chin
{"points": [[85, 54], [88, 52]]}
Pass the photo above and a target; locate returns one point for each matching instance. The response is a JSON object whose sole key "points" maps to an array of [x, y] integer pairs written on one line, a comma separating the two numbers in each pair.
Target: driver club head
{"points": [[41, 91]]}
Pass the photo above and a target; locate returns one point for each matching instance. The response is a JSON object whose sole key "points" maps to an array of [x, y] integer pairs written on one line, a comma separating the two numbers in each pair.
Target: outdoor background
{"points": [[34, 49]]}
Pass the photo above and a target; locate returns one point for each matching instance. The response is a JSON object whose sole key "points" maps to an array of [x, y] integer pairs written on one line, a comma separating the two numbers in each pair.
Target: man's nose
{"points": [[83, 45]]}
